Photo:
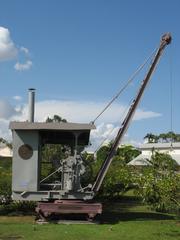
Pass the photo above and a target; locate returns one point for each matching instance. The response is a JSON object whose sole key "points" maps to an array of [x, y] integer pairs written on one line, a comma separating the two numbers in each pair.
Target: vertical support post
{"points": [[76, 135]]}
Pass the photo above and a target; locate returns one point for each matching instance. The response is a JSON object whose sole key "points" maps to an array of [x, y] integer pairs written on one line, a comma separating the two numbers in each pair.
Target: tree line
{"points": [[162, 137]]}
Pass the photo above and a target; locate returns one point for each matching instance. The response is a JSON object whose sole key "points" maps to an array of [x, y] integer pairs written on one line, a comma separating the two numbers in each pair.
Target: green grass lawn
{"points": [[126, 220], [151, 229]]}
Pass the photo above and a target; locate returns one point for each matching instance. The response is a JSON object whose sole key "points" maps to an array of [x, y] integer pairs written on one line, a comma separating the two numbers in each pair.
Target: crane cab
{"points": [[46, 160]]}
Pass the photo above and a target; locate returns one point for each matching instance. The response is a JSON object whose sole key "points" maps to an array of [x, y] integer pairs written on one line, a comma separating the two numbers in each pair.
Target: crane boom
{"points": [[165, 40]]}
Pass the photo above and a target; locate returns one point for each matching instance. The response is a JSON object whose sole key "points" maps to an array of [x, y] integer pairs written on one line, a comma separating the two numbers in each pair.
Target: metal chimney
{"points": [[31, 104]]}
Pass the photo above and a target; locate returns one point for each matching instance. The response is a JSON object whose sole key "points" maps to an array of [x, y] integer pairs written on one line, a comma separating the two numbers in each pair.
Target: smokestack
{"points": [[31, 104]]}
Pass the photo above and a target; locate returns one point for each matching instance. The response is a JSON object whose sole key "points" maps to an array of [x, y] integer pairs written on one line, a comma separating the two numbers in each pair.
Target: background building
{"points": [[173, 149]]}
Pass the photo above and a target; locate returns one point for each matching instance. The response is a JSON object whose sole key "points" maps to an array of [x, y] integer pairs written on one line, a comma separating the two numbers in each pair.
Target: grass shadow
{"points": [[115, 217], [126, 208], [129, 209]]}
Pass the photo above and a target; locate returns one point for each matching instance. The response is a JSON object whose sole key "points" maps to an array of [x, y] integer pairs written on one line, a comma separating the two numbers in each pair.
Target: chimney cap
{"points": [[31, 89]]}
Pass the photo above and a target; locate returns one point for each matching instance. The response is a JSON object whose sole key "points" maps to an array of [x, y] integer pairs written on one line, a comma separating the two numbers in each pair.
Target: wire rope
{"points": [[126, 85], [171, 95], [121, 120]]}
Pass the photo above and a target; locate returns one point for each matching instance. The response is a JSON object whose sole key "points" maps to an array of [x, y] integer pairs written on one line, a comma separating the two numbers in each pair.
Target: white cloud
{"points": [[23, 66], [4, 130], [87, 111], [73, 111], [107, 126], [102, 135], [25, 50], [8, 113], [7, 48], [6, 110], [17, 98], [106, 132], [9, 51]]}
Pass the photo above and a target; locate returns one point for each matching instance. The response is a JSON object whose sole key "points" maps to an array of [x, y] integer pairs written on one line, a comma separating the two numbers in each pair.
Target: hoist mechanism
{"points": [[55, 182]]}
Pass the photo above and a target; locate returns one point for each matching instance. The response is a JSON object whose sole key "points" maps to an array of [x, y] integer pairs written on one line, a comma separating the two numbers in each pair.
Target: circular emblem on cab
{"points": [[25, 151]]}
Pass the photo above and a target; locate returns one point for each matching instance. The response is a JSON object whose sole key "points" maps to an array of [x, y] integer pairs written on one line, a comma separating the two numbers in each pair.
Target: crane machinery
{"points": [[59, 191]]}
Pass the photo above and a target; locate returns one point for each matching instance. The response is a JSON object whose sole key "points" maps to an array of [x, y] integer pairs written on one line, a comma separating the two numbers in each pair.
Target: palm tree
{"points": [[152, 138], [163, 137]]}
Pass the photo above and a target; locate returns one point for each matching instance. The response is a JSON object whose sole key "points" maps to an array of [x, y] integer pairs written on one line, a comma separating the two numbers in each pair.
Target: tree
{"points": [[5, 180], [152, 138], [163, 137], [127, 153], [56, 118], [119, 177], [168, 137], [5, 187], [159, 183], [5, 175], [50, 152], [88, 161]]}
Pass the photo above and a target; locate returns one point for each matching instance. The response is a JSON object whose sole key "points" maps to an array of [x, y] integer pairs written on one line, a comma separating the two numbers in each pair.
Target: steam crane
{"points": [[60, 191]]}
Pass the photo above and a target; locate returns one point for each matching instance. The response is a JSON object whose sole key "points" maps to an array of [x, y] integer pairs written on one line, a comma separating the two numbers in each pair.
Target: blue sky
{"points": [[82, 52]]}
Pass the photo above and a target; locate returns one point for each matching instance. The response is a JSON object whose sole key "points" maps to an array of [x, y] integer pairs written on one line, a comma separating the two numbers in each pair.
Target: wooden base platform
{"points": [[68, 207]]}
